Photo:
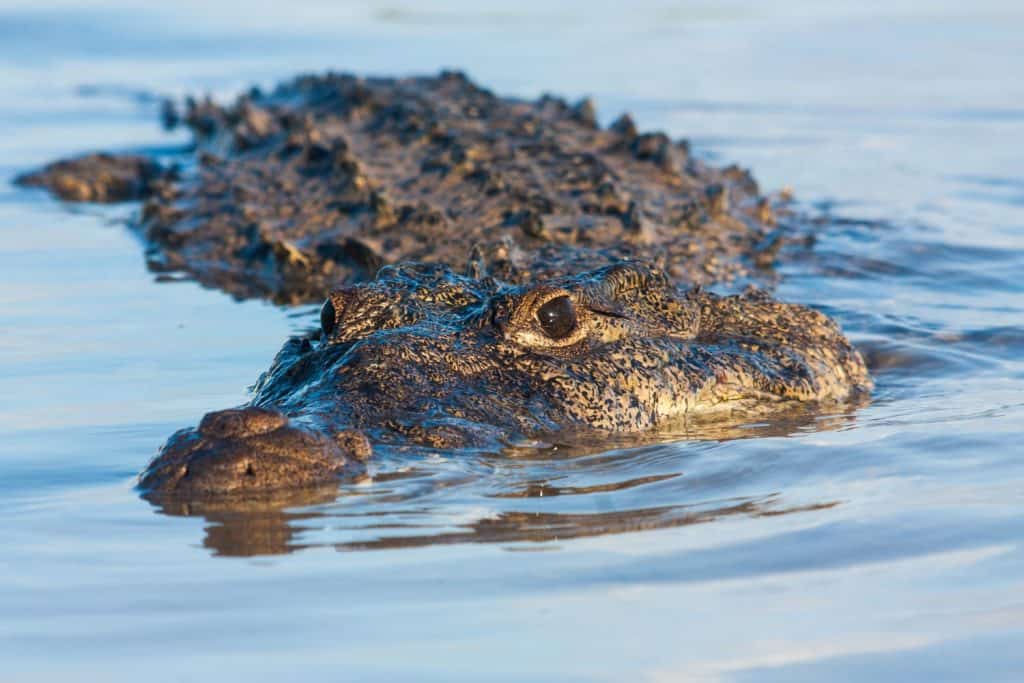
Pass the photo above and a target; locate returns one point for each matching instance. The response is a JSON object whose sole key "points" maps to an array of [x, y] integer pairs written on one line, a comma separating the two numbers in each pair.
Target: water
{"points": [[880, 545]]}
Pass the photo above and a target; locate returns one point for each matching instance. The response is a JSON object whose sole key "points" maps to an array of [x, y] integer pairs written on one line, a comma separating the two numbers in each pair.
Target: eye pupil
{"points": [[557, 317], [327, 318]]}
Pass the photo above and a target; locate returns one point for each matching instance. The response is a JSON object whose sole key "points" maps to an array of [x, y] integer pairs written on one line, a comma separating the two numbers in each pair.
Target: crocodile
{"points": [[495, 270], [319, 182], [425, 357]]}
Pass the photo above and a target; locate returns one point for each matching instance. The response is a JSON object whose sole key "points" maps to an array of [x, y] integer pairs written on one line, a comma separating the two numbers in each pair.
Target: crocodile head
{"points": [[423, 356]]}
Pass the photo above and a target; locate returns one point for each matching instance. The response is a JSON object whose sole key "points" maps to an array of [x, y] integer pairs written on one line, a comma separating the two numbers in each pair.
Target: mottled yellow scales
{"points": [[424, 356]]}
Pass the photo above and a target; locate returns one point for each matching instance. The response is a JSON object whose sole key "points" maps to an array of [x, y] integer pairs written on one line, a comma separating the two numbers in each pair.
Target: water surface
{"points": [[883, 543]]}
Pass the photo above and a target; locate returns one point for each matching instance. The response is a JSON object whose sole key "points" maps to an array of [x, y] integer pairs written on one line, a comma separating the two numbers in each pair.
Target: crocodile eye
{"points": [[557, 317], [328, 318]]}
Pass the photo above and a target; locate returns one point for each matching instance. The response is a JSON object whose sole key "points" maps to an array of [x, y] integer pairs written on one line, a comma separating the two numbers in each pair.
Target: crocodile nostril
{"points": [[249, 471]]}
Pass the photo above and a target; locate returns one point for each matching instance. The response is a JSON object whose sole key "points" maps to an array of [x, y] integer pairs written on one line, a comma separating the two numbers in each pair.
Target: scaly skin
{"points": [[101, 178], [422, 356], [322, 180]]}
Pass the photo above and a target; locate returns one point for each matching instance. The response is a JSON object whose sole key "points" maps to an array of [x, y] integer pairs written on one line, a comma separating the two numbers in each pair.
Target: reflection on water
{"points": [[278, 526], [877, 542], [265, 526], [539, 527]]}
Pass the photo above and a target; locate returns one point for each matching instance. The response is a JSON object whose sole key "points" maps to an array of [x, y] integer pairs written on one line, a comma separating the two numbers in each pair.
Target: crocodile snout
{"points": [[248, 450]]}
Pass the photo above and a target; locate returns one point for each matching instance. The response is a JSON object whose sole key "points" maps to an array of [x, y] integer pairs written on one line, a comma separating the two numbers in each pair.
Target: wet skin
{"points": [[287, 194], [422, 356]]}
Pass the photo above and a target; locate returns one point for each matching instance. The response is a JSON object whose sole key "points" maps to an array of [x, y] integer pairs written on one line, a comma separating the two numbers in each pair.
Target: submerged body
{"points": [[289, 193], [422, 356]]}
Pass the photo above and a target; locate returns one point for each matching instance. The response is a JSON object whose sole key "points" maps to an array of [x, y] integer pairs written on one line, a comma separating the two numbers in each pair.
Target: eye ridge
{"points": [[557, 317]]}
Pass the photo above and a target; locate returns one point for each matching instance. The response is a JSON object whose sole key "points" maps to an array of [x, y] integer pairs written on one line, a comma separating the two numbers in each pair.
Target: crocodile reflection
{"points": [[278, 531], [422, 357]]}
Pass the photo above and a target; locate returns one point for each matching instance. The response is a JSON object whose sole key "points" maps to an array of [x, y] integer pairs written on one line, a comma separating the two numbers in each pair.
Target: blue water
{"points": [[881, 545]]}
